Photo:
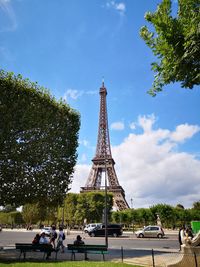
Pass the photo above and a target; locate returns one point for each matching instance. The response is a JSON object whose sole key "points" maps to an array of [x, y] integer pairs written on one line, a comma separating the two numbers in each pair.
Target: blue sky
{"points": [[67, 46]]}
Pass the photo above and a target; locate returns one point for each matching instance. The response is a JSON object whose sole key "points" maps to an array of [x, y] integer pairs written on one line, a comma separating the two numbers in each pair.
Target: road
{"points": [[8, 238]]}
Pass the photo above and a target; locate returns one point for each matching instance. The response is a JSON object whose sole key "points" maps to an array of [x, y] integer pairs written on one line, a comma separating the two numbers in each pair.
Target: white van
{"points": [[90, 227]]}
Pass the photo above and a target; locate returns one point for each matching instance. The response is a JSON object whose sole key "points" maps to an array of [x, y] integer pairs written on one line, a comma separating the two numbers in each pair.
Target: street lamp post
{"points": [[106, 209], [63, 211], [131, 203]]}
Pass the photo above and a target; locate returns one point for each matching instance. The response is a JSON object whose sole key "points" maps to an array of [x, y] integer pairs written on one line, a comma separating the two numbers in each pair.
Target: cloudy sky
{"points": [[68, 46]]}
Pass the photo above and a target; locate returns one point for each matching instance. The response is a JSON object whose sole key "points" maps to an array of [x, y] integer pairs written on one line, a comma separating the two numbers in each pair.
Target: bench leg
{"points": [[73, 256], [24, 252], [103, 257], [20, 254], [86, 258]]}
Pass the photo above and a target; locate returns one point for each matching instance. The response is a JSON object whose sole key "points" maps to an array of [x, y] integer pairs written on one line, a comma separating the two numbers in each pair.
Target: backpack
{"points": [[63, 237], [55, 235]]}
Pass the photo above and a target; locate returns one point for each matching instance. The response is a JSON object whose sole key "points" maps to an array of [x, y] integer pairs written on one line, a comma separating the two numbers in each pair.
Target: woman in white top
{"points": [[61, 237]]}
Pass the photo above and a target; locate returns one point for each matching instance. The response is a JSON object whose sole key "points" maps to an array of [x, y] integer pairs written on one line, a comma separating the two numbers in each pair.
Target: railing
{"points": [[153, 258]]}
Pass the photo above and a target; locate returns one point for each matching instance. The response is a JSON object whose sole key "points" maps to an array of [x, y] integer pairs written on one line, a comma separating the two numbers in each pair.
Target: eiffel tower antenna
{"points": [[103, 160], [103, 81]]}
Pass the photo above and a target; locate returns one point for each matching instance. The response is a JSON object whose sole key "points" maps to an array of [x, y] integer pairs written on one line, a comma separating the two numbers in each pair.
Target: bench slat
{"points": [[27, 247], [93, 249]]}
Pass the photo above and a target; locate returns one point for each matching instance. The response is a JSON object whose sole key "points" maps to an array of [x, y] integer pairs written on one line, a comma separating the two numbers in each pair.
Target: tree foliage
{"points": [[170, 216], [89, 206], [30, 213], [39, 213], [38, 142], [175, 41], [12, 218], [196, 205], [165, 212]]}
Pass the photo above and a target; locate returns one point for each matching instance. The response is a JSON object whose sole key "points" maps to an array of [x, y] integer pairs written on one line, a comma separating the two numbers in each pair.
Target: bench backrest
{"points": [[87, 247], [30, 246], [23, 245]]}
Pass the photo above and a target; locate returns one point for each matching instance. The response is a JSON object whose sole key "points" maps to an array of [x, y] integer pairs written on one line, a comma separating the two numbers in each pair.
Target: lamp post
{"points": [[105, 213], [63, 210], [131, 203]]}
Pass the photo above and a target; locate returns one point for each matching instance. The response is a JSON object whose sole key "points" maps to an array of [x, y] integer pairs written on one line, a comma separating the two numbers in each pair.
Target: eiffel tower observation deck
{"points": [[103, 161]]}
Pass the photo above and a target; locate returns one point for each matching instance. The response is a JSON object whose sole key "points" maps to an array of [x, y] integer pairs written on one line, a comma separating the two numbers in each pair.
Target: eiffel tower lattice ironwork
{"points": [[103, 160]]}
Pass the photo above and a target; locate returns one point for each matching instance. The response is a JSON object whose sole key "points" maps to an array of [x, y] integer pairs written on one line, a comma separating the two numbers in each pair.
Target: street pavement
{"points": [[135, 256]]}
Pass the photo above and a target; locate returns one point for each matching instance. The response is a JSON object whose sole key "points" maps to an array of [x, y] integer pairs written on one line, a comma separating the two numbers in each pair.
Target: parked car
{"points": [[46, 230], [112, 230], [89, 227], [150, 231]]}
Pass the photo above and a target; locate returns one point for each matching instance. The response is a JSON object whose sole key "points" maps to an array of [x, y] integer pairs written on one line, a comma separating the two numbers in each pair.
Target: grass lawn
{"points": [[66, 264]]}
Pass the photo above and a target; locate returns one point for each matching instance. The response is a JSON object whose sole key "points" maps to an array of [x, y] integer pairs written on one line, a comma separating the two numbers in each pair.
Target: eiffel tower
{"points": [[103, 161]]}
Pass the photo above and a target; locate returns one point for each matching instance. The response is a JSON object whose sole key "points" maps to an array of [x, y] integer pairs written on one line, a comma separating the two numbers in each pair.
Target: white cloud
{"points": [[184, 131], [80, 177], [83, 158], [117, 126], [120, 7], [10, 21], [71, 93], [5, 54], [146, 122], [150, 170], [92, 92], [75, 94], [132, 125], [84, 143]]}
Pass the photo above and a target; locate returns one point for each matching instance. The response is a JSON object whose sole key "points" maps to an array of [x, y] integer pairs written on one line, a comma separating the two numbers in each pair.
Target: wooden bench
{"points": [[27, 247], [87, 249]]}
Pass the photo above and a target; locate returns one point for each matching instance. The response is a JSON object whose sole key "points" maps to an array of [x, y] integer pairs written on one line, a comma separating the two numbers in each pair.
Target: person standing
{"points": [[53, 236], [61, 238], [181, 235]]}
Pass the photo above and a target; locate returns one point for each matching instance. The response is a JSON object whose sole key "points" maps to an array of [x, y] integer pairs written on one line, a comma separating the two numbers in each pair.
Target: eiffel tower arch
{"points": [[103, 161]]}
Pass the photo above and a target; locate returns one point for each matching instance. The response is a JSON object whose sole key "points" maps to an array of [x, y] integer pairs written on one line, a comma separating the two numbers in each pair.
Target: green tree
{"points": [[38, 142], [180, 206], [165, 212], [196, 205], [89, 206], [144, 216], [70, 205], [30, 213], [176, 43], [8, 208], [194, 214], [116, 216], [11, 218]]}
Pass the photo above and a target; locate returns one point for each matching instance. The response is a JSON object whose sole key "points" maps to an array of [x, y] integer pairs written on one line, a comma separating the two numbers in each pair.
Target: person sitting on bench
{"points": [[78, 242], [43, 240], [36, 240]]}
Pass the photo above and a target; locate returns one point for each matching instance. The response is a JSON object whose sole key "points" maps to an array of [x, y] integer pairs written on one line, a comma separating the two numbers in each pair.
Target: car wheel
{"points": [[159, 236], [141, 235], [92, 234], [115, 234]]}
